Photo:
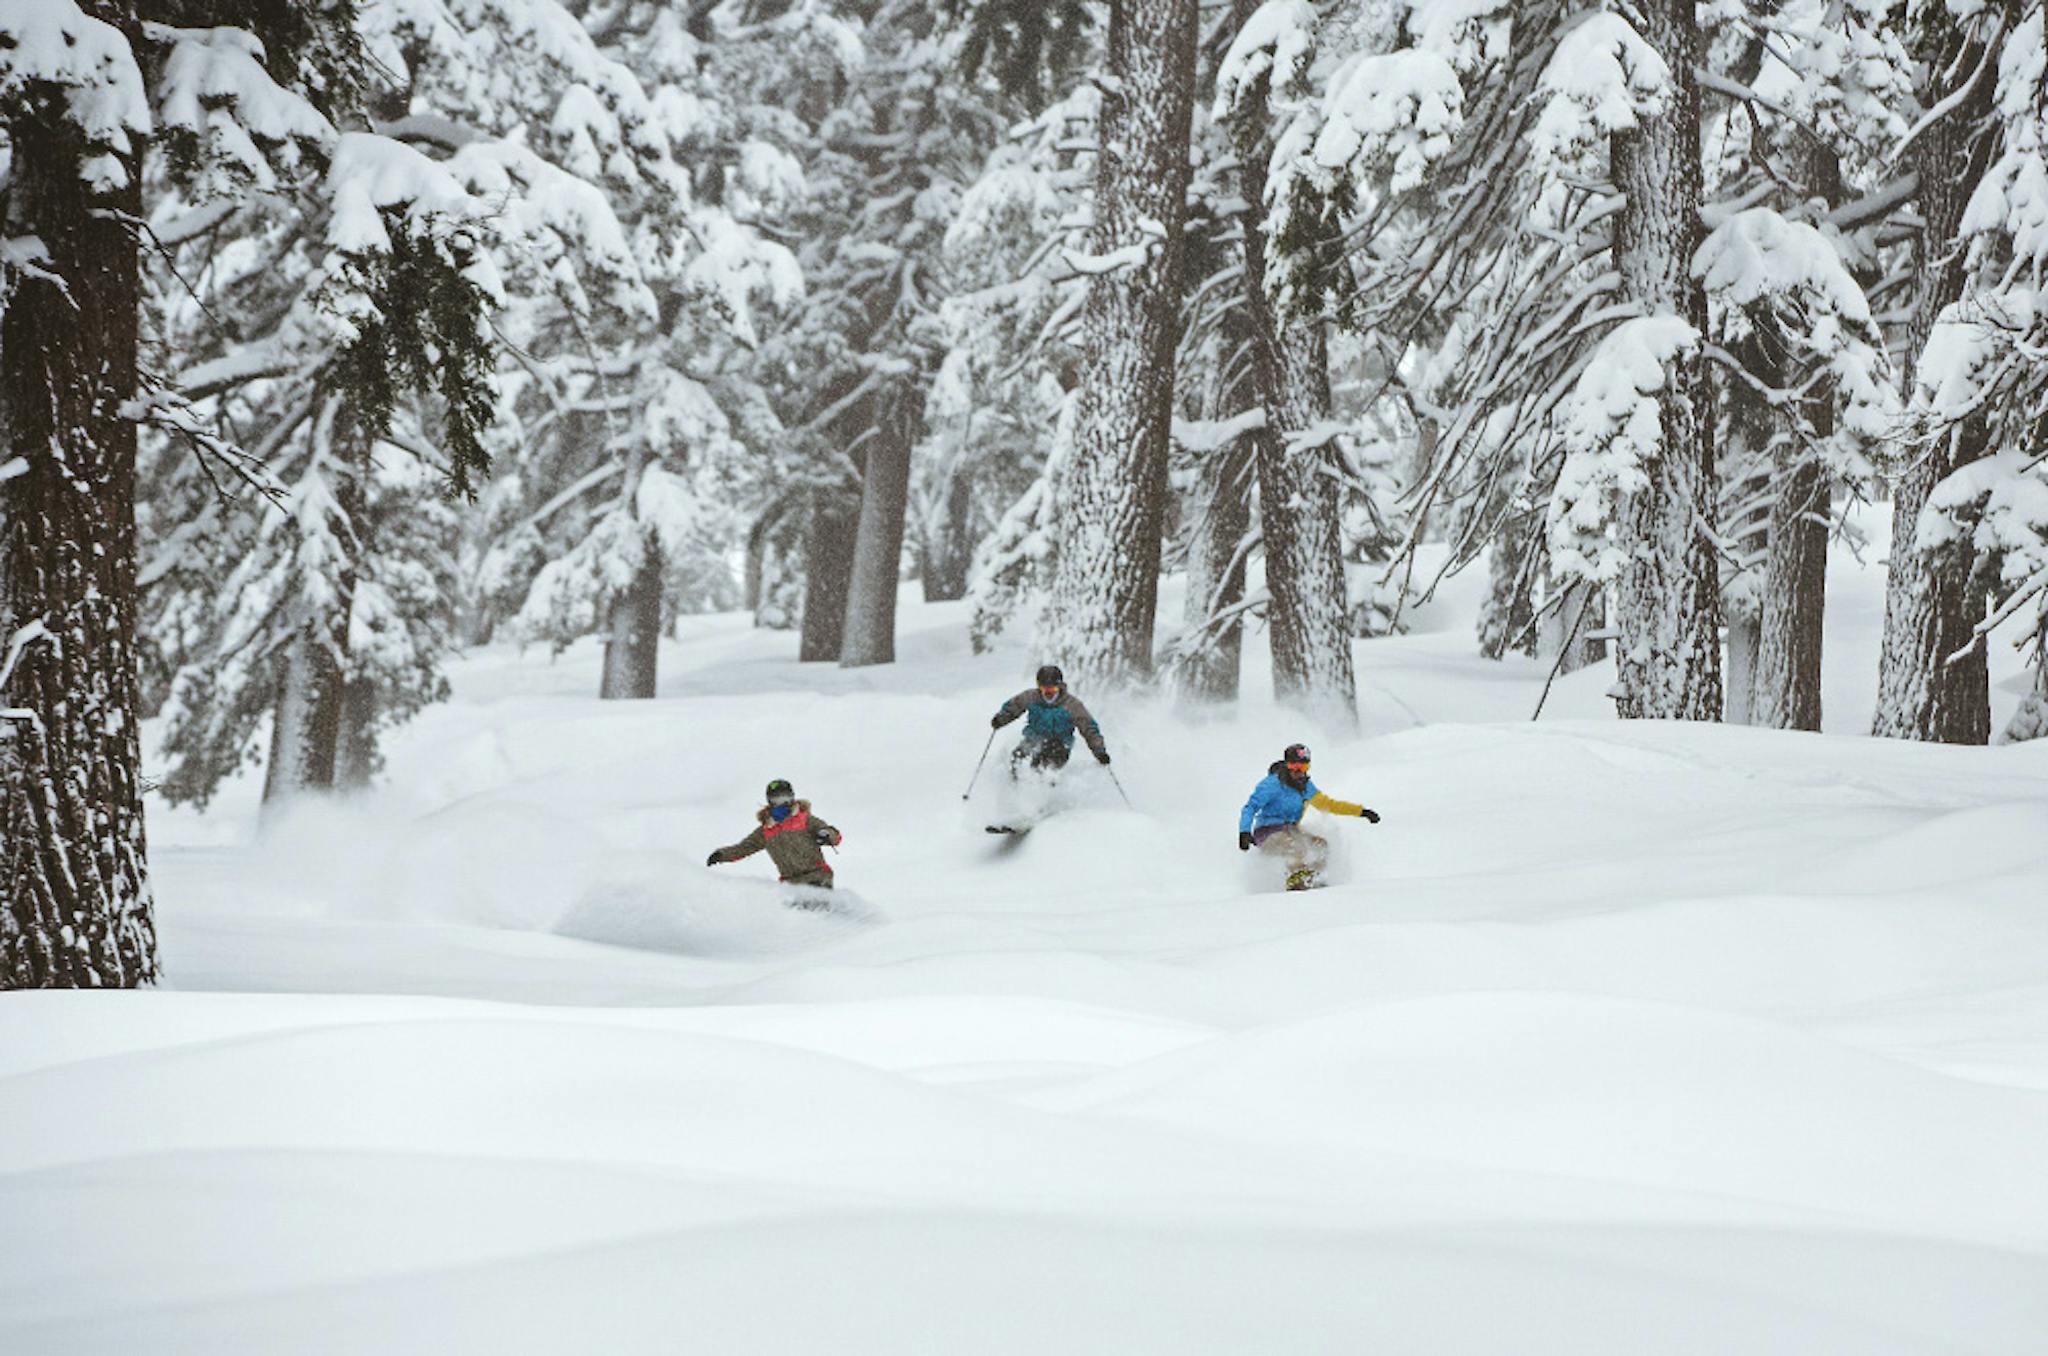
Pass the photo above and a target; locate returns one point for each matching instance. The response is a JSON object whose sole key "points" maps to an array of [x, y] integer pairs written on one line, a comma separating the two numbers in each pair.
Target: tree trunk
{"points": [[1668, 613], [632, 642], [75, 907], [870, 636], [1507, 616], [1106, 576], [1787, 680], [1745, 632], [945, 553], [1569, 626], [1308, 617], [828, 566], [355, 749], [1930, 611], [305, 727], [1216, 570]]}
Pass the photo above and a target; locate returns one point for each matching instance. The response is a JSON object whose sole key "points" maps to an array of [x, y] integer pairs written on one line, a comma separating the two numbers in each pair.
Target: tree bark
{"points": [[1668, 601], [870, 632], [355, 748], [632, 643], [1507, 616], [1308, 617], [1930, 610], [1216, 571], [1106, 576], [75, 905], [1787, 684], [945, 553], [828, 566], [1745, 632], [305, 727]]}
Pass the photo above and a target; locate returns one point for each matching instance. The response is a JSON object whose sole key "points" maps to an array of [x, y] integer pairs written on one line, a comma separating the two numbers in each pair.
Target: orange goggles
{"points": [[1048, 692]]}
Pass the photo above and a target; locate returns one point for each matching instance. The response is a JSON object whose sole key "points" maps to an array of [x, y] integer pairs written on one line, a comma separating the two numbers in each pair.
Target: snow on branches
{"points": [[51, 46], [1757, 265], [1612, 428], [1601, 79]]}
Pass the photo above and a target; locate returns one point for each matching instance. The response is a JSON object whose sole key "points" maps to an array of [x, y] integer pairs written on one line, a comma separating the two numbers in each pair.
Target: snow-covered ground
{"points": [[1610, 1039]]}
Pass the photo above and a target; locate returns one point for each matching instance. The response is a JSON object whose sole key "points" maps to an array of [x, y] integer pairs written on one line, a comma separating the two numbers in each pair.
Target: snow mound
{"points": [[696, 916]]}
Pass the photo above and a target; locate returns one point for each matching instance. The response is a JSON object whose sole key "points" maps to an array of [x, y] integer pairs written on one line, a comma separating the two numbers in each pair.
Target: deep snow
{"points": [[1611, 1038]]}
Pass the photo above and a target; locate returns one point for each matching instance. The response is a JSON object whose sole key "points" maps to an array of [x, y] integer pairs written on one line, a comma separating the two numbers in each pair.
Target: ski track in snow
{"points": [[1609, 1039]]}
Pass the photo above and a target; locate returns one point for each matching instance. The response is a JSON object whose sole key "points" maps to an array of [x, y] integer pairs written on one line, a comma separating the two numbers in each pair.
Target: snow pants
{"points": [[1302, 851], [1043, 755]]}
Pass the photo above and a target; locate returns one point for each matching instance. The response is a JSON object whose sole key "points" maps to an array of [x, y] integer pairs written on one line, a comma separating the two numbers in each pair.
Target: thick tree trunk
{"points": [[75, 908], [632, 641], [1308, 617], [1668, 602], [870, 636], [945, 553], [1930, 611], [355, 748], [1795, 596], [1106, 576], [828, 568], [305, 727], [1745, 632], [1216, 570]]}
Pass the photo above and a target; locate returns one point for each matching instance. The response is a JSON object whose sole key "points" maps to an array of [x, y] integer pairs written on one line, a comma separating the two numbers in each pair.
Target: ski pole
{"points": [[1118, 785], [977, 767]]}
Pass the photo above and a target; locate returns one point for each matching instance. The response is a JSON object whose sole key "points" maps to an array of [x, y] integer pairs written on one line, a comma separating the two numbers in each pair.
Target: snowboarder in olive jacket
{"points": [[793, 837], [1271, 819], [1052, 717]]}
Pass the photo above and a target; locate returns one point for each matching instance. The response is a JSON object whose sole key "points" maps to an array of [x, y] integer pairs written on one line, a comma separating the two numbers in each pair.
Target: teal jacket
{"points": [[1059, 719]]}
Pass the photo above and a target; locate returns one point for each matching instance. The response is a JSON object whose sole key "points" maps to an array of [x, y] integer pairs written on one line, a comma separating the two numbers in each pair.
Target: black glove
{"points": [[713, 860], [1244, 842], [1102, 756], [826, 837], [995, 722], [1369, 816]]}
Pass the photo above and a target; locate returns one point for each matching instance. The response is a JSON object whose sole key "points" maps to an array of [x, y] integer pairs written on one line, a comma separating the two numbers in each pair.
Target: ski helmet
{"points": [[1049, 675], [1294, 753], [780, 790]]}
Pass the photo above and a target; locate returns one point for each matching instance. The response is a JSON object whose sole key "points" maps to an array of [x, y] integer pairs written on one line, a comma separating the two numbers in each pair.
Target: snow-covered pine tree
{"points": [[1308, 616], [1106, 570], [73, 869], [1801, 105], [1981, 368], [647, 441], [1932, 680], [82, 93], [368, 374]]}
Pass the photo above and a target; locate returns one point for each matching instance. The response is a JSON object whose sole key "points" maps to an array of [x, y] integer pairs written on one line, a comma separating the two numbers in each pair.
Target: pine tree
{"points": [[1932, 680], [1106, 572], [1308, 617]]}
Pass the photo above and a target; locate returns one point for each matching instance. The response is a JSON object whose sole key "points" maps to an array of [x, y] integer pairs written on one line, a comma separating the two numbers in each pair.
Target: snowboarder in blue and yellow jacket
{"points": [[1052, 717], [1271, 819]]}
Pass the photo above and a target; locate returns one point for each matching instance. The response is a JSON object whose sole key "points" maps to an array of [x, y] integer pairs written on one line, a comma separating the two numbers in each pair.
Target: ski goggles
{"points": [[781, 794], [1049, 692], [1295, 767]]}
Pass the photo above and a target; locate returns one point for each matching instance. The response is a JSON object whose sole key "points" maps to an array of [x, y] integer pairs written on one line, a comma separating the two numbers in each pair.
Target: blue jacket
{"points": [[1273, 801], [1059, 719]]}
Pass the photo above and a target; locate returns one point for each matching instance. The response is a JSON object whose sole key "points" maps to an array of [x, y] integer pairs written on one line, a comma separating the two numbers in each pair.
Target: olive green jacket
{"points": [[792, 845]]}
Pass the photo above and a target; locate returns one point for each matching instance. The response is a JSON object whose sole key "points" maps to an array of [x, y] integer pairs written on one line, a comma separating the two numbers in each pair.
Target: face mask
{"points": [[778, 813]]}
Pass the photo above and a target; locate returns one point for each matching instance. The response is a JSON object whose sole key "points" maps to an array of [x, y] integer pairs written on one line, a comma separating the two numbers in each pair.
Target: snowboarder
{"points": [[793, 837], [1271, 820], [1052, 717]]}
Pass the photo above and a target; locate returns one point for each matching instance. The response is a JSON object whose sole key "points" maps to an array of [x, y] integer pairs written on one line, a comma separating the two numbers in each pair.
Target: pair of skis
{"points": [[1020, 829]]}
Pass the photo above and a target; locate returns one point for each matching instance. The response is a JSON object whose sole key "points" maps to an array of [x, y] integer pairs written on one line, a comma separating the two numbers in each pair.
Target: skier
{"points": [[1271, 820], [792, 835], [1052, 716]]}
